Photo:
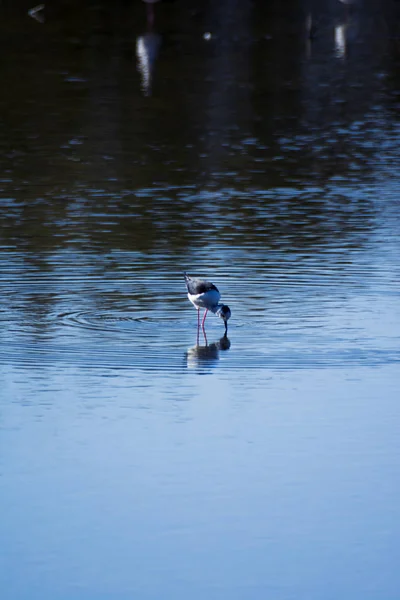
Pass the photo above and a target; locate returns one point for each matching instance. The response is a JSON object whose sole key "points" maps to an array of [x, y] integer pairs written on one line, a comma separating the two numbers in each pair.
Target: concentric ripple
{"points": [[102, 322]]}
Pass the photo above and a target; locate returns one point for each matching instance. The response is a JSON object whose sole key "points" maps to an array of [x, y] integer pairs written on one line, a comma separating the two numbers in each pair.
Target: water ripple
{"points": [[101, 322], [148, 346]]}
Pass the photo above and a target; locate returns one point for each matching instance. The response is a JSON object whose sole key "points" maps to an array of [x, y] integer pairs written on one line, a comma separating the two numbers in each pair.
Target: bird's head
{"points": [[225, 313]]}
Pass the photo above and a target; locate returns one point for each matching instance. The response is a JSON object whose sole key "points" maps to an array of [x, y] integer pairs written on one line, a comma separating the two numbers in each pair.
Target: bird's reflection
{"points": [[310, 30], [346, 31], [207, 354], [37, 13], [147, 49]]}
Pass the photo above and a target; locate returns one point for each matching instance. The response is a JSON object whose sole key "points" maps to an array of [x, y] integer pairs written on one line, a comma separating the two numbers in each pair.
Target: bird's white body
{"points": [[208, 300]]}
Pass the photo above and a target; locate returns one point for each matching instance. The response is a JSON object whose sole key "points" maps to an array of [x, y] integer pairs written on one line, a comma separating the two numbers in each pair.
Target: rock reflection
{"points": [[206, 355]]}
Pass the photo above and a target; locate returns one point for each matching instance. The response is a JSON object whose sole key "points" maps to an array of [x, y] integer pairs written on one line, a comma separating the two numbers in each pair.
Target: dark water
{"points": [[134, 462]]}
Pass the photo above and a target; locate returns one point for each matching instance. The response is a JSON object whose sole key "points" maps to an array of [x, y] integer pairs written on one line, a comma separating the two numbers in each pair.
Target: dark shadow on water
{"points": [[206, 355]]}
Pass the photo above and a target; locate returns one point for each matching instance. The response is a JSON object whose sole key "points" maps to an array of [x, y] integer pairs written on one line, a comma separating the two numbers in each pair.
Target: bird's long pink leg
{"points": [[198, 318], [150, 15], [204, 318]]}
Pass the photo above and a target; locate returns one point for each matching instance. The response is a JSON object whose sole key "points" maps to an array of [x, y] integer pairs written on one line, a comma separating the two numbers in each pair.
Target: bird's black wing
{"points": [[198, 286]]}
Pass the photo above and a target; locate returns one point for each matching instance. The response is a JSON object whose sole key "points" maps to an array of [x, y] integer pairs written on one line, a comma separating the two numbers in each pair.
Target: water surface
{"points": [[137, 459]]}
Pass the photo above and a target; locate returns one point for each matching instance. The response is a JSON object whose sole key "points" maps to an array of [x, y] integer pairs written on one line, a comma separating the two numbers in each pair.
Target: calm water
{"points": [[134, 462]]}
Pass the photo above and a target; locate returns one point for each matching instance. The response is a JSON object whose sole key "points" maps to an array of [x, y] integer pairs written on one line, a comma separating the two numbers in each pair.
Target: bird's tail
{"points": [[186, 276]]}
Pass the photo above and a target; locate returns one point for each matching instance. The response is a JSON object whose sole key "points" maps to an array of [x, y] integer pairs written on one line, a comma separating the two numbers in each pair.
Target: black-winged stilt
{"points": [[204, 294]]}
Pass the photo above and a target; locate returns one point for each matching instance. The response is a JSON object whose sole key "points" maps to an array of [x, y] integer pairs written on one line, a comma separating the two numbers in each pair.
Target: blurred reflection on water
{"points": [[257, 144]]}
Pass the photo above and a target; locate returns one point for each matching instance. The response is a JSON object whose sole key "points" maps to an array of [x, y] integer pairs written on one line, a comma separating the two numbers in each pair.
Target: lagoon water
{"points": [[221, 140]]}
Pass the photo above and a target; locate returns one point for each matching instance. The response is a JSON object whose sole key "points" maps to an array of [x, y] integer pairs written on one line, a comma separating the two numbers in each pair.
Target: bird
{"points": [[204, 294]]}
